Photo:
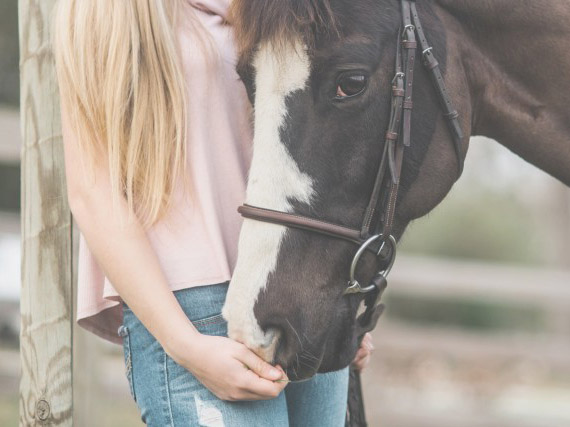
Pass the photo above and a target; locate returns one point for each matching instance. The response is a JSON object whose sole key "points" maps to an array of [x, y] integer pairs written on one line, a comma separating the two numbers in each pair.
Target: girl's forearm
{"points": [[127, 258]]}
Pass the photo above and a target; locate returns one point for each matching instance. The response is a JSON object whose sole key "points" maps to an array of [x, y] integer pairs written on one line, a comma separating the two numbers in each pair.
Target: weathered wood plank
{"points": [[46, 270], [87, 371]]}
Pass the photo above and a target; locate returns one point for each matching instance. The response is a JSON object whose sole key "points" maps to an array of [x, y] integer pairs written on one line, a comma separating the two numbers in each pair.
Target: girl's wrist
{"points": [[183, 344]]}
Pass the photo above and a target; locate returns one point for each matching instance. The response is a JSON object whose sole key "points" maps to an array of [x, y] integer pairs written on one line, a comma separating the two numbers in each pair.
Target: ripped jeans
{"points": [[168, 395]]}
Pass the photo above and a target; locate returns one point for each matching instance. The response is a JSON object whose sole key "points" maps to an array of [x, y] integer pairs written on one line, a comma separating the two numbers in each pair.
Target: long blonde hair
{"points": [[120, 74]]}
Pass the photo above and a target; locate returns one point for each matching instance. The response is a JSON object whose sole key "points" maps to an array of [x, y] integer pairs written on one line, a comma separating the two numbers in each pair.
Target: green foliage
{"points": [[475, 314], [9, 409], [486, 226]]}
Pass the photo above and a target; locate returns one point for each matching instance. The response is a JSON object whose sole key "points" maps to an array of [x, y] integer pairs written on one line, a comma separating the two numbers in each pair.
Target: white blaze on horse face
{"points": [[274, 181]]}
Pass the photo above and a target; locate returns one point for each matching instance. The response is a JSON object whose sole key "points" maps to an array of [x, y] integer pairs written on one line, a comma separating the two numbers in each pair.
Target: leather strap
{"points": [[302, 222], [410, 46], [432, 65], [392, 136]]}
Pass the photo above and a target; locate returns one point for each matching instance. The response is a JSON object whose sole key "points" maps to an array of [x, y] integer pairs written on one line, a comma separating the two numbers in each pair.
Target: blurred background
{"points": [[477, 328]]}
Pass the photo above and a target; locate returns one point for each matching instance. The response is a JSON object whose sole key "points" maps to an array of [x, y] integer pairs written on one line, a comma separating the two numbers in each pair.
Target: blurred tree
{"points": [[481, 226], [9, 55], [501, 210]]}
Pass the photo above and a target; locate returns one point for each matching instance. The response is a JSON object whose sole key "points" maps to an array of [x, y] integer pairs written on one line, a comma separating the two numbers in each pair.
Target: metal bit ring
{"points": [[353, 284]]}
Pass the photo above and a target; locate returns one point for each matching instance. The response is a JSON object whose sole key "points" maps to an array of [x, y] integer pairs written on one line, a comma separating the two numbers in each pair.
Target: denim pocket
{"points": [[124, 332], [211, 325]]}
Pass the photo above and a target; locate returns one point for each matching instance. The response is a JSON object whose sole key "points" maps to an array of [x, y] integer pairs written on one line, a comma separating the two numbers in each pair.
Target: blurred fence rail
{"points": [[430, 369], [443, 276], [545, 289]]}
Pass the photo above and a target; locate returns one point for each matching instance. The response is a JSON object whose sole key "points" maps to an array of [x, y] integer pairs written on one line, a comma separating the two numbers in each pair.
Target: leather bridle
{"points": [[379, 239]]}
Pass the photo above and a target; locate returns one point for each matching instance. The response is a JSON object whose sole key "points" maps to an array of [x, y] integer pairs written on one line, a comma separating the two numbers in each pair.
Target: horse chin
{"points": [[338, 353], [298, 371], [340, 357], [298, 365]]}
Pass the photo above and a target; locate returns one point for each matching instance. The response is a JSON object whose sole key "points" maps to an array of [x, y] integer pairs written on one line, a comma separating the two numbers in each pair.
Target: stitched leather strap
{"points": [[302, 222], [432, 65], [394, 126]]}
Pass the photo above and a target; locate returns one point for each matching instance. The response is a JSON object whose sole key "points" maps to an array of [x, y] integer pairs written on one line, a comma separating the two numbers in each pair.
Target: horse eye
{"points": [[350, 85]]}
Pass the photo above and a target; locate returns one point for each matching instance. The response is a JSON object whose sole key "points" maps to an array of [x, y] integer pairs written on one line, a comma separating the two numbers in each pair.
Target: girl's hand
{"points": [[362, 357], [229, 369]]}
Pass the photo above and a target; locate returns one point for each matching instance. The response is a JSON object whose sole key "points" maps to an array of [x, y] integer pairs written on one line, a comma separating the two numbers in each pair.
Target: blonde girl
{"points": [[157, 139]]}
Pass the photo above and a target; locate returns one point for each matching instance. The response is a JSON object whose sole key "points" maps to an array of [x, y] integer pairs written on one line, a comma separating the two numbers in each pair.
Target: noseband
{"points": [[378, 238]]}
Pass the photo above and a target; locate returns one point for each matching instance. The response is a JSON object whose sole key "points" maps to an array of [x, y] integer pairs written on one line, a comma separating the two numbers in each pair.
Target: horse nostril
{"points": [[271, 336], [266, 347], [287, 348]]}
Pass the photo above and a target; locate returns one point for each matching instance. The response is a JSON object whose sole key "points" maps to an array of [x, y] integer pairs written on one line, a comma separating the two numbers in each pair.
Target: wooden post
{"points": [[46, 271]]}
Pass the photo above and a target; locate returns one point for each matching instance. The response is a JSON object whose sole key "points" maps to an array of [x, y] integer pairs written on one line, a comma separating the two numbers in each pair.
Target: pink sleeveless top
{"points": [[198, 244]]}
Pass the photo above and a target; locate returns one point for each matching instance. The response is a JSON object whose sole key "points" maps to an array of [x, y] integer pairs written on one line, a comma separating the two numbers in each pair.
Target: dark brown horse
{"points": [[319, 75]]}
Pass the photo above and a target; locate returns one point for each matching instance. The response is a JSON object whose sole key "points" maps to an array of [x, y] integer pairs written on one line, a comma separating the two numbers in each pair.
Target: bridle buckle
{"points": [[354, 286], [427, 50], [406, 28], [399, 75]]}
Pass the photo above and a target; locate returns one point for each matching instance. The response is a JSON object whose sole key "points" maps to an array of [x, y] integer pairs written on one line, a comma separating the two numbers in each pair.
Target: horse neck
{"points": [[513, 56]]}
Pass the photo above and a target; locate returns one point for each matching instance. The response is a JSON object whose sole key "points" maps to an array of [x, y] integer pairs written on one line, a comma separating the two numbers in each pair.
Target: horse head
{"points": [[320, 77]]}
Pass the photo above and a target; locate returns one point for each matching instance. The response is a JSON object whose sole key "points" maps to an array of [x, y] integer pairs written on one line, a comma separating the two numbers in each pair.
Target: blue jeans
{"points": [[167, 394]]}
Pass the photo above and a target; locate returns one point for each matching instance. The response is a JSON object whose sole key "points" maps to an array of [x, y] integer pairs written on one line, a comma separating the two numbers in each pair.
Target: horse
{"points": [[322, 79]]}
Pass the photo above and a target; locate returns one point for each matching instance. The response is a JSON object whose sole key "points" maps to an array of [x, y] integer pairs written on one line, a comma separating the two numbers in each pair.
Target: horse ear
{"points": [[280, 21]]}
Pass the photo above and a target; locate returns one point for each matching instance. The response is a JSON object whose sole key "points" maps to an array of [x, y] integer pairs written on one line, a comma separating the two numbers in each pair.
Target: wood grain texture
{"points": [[46, 269], [88, 373]]}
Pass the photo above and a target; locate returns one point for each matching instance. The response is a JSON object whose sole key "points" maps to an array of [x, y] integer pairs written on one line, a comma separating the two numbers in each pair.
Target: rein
{"points": [[378, 238]]}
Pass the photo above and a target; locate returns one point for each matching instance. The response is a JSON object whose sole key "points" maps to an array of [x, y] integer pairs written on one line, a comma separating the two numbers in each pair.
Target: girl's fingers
{"points": [[263, 388], [363, 363], [367, 341], [260, 377], [362, 357], [360, 364], [260, 366], [360, 354]]}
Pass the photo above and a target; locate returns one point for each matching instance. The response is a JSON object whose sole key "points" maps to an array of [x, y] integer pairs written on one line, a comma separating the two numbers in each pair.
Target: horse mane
{"points": [[280, 22]]}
